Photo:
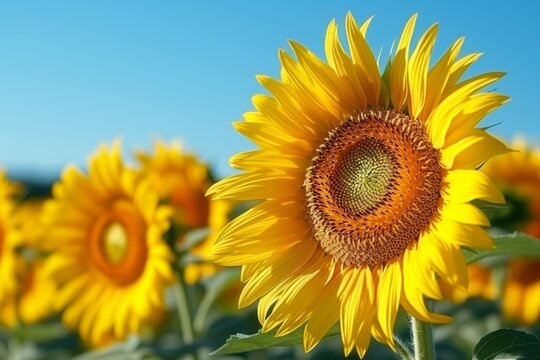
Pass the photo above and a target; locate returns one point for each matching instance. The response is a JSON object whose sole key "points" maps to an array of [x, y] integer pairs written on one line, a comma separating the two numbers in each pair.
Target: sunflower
{"points": [[38, 290], [365, 182], [10, 262], [182, 179], [110, 261], [481, 282], [518, 175]]}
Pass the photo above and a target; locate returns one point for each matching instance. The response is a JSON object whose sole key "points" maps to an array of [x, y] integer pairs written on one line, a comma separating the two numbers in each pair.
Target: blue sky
{"points": [[74, 74]]}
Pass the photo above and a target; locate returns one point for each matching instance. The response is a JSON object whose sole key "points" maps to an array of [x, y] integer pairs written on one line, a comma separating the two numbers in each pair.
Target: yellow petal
{"points": [[388, 298], [450, 262], [267, 302], [363, 59], [276, 114], [468, 185], [343, 66], [463, 234], [303, 106], [70, 290], [398, 73], [257, 184], [437, 78], [443, 115], [267, 227], [357, 308], [474, 110], [266, 136], [277, 270], [418, 70], [431, 253], [276, 237], [413, 303], [420, 274], [412, 298], [327, 314], [323, 78], [294, 74], [472, 151], [465, 213], [457, 70], [294, 289], [363, 339], [293, 308]]}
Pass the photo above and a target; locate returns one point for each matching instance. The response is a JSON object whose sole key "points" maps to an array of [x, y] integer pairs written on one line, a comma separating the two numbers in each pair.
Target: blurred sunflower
{"points": [[38, 289], [366, 182], [10, 263], [182, 179], [481, 282], [518, 175], [110, 261], [481, 285]]}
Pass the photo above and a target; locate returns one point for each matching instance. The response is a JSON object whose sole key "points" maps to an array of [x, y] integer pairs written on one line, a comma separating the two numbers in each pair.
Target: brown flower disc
{"points": [[374, 186]]}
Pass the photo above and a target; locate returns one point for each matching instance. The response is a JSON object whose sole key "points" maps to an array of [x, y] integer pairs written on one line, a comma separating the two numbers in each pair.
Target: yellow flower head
{"points": [[109, 258], [10, 262], [518, 175], [182, 179], [366, 182], [35, 300]]}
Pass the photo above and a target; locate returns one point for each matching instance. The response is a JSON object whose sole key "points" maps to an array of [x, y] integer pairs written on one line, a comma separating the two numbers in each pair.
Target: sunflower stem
{"points": [[201, 314], [422, 334], [402, 349], [184, 311], [14, 349]]}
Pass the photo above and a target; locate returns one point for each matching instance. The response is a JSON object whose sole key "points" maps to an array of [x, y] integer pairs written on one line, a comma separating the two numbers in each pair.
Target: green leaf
{"points": [[507, 344], [513, 245], [193, 238], [515, 213], [38, 332], [128, 350], [213, 287], [241, 343]]}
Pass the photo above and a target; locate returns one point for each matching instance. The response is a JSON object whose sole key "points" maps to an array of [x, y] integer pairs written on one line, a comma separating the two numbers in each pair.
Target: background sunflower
{"points": [[181, 179], [518, 175], [38, 290], [10, 263], [112, 266]]}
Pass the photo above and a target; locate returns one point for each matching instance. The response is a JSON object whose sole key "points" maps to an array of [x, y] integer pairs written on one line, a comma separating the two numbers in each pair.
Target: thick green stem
{"points": [[402, 349], [184, 312], [202, 312], [422, 339], [14, 349]]}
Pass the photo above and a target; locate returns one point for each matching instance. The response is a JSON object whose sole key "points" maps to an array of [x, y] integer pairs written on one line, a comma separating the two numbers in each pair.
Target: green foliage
{"points": [[194, 238], [507, 344], [509, 216], [38, 332], [241, 343], [128, 350], [512, 245]]}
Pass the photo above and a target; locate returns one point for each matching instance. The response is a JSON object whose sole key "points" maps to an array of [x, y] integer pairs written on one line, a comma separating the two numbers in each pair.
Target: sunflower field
{"points": [[374, 214]]}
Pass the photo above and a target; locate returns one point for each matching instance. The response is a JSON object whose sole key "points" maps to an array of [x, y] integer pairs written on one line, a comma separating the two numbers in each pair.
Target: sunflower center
{"points": [[117, 243], [362, 177], [374, 186]]}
